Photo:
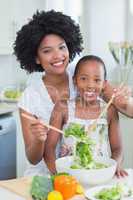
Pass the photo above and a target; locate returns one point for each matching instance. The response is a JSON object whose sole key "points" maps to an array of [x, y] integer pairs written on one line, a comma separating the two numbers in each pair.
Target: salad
{"points": [[116, 192], [83, 148]]}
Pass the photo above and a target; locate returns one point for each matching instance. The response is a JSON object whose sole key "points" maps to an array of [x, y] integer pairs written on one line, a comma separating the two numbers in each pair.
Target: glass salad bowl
{"points": [[10, 93]]}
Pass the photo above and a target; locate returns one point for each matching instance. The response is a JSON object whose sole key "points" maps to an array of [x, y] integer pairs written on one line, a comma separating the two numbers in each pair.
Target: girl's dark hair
{"points": [[42, 24], [90, 58]]}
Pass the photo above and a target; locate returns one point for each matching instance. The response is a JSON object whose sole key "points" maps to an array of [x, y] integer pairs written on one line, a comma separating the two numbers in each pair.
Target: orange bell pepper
{"points": [[66, 185]]}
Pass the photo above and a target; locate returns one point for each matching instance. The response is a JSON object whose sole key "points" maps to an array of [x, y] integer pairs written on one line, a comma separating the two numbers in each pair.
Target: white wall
{"points": [[69, 7], [129, 28], [103, 21], [22, 11], [10, 72]]}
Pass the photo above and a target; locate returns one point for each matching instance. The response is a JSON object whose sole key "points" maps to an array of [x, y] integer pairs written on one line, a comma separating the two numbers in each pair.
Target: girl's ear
{"points": [[104, 84], [103, 87], [37, 61]]}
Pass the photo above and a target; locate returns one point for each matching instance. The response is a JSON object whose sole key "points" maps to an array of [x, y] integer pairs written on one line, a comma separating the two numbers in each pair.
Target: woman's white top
{"points": [[99, 135], [36, 100]]}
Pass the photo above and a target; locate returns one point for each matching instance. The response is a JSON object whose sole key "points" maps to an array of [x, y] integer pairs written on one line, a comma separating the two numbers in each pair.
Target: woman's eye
{"points": [[46, 51], [63, 47]]}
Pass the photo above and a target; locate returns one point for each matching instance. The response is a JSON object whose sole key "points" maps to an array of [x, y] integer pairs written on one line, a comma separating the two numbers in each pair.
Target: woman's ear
{"points": [[37, 61], [74, 81]]}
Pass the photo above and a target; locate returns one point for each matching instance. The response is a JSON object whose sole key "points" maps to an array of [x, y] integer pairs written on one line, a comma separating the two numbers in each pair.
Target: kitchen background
{"points": [[101, 21]]}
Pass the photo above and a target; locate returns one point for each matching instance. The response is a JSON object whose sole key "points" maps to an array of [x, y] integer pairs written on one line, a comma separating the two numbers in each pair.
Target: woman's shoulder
{"points": [[35, 87], [35, 95]]}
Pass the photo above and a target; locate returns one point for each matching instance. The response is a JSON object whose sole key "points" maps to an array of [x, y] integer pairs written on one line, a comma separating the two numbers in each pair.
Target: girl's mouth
{"points": [[90, 94]]}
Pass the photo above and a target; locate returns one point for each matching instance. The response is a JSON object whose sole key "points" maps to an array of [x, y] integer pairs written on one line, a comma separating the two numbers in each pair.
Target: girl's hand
{"points": [[65, 150], [38, 130], [120, 172]]}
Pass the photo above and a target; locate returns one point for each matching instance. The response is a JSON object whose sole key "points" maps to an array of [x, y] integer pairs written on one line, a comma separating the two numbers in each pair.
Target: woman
{"points": [[48, 42]]}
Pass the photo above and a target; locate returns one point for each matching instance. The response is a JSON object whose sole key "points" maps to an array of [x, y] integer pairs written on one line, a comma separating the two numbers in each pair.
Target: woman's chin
{"points": [[59, 71]]}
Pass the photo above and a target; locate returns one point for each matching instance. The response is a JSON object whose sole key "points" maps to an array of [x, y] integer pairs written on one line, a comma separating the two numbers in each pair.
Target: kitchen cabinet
{"points": [[7, 147], [6, 24], [13, 14], [20, 148]]}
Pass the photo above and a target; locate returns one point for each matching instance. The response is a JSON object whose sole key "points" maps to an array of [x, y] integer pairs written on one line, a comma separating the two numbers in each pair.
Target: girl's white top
{"points": [[99, 135], [36, 100]]}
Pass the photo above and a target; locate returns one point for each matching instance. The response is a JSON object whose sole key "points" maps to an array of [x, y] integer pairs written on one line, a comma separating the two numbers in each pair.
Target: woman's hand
{"points": [[107, 91], [122, 96], [120, 92], [38, 130], [122, 101]]}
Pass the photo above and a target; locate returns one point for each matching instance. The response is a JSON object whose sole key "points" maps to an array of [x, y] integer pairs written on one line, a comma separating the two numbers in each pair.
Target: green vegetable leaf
{"points": [[75, 130], [40, 187], [114, 193]]}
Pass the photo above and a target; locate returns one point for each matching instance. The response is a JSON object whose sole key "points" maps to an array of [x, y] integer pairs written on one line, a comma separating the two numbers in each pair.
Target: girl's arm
{"points": [[115, 139], [57, 120], [34, 134]]}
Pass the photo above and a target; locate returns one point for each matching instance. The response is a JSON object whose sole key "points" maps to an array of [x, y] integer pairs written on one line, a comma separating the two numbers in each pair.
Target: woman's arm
{"points": [[123, 100], [34, 134], [115, 139], [57, 120]]}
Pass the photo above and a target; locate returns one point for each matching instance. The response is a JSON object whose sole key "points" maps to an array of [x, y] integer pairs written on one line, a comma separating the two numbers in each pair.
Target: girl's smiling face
{"points": [[89, 80], [53, 54]]}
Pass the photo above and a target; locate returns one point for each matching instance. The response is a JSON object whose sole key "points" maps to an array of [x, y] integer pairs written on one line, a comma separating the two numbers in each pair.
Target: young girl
{"points": [[89, 79]]}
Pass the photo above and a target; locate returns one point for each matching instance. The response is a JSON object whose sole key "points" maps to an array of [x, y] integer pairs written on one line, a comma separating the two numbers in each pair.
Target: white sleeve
{"points": [[28, 100]]}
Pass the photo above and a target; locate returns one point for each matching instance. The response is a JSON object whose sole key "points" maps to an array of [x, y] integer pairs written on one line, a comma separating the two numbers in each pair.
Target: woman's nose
{"points": [[57, 54]]}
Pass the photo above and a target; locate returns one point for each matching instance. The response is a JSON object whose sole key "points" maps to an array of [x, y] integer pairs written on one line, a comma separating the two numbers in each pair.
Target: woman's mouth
{"points": [[58, 64]]}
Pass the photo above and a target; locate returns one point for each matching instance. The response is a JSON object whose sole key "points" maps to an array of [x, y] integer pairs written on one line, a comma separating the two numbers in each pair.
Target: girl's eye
{"points": [[83, 78], [97, 80]]}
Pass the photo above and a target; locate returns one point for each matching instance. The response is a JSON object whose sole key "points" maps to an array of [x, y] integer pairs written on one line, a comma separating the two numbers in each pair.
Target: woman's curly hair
{"points": [[42, 24]]}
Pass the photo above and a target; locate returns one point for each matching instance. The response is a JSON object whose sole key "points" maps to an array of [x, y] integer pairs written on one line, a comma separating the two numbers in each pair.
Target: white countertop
{"points": [[7, 195]]}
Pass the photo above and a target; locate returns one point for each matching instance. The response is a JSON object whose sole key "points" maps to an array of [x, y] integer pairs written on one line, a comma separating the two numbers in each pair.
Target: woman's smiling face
{"points": [[53, 54], [89, 80]]}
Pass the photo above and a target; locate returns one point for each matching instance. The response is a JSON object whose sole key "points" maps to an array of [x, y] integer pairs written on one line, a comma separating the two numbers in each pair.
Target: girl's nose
{"points": [[90, 84]]}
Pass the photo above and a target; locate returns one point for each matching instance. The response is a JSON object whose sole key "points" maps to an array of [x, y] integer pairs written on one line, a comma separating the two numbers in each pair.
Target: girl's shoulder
{"points": [[112, 113]]}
